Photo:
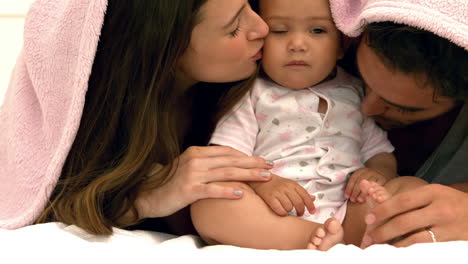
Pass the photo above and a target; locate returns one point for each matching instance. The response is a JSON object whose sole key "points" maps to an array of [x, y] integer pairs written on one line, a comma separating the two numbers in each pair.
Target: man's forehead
{"points": [[396, 88]]}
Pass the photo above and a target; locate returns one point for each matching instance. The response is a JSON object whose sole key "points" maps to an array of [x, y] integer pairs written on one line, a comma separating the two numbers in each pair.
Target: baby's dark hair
{"points": [[422, 53]]}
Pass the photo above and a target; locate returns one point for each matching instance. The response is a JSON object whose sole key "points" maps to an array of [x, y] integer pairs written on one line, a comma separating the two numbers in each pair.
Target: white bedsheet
{"points": [[59, 243]]}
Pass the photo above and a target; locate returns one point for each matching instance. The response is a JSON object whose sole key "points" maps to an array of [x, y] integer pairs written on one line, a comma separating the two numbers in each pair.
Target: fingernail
{"points": [[238, 192], [269, 162], [366, 241], [370, 219], [265, 174]]}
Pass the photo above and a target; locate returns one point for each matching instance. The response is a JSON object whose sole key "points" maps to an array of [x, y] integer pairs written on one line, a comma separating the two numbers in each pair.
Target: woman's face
{"points": [[225, 46]]}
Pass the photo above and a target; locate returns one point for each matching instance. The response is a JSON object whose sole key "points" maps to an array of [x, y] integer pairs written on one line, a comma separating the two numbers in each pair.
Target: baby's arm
{"points": [[282, 195], [380, 168]]}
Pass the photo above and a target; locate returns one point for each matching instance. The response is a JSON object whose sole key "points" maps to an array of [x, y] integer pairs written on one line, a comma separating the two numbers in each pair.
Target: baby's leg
{"points": [[249, 222]]}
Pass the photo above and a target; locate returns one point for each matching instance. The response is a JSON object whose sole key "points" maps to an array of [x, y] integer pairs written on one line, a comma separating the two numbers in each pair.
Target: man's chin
{"points": [[387, 124]]}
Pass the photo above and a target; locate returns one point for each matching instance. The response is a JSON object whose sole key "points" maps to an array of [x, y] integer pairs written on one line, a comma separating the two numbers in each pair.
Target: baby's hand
{"points": [[284, 195], [353, 190]]}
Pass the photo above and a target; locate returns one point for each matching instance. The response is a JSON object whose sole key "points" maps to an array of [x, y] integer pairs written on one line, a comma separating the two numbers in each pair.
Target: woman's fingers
{"points": [[213, 190], [244, 162], [235, 174], [210, 151], [221, 156]]}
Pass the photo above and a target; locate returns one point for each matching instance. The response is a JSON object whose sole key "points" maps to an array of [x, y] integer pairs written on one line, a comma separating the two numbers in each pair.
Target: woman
{"points": [[147, 104]]}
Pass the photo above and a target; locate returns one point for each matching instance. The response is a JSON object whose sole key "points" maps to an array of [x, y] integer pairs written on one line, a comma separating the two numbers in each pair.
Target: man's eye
{"points": [[317, 31], [403, 110], [406, 110]]}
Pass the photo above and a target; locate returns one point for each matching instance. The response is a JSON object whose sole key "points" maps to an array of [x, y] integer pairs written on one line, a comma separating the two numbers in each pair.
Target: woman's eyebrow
{"points": [[233, 19]]}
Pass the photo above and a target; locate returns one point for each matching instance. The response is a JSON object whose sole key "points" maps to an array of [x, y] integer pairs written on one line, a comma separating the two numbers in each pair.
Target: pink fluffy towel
{"points": [[42, 108], [446, 18]]}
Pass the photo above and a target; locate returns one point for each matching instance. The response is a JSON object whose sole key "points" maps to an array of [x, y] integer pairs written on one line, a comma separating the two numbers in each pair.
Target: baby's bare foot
{"points": [[327, 236], [374, 194]]}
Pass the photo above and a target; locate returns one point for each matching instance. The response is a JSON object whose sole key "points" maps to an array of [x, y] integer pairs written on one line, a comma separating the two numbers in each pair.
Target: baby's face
{"points": [[303, 44]]}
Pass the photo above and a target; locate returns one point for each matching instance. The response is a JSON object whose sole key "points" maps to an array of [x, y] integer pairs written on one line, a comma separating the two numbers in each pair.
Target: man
{"points": [[416, 80]]}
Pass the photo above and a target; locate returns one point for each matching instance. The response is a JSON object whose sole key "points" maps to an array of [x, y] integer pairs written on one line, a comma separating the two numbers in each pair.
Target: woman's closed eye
{"points": [[235, 32]]}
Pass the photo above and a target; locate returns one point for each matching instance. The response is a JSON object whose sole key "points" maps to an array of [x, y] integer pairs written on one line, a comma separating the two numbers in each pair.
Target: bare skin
{"points": [[250, 222], [377, 194], [373, 194]]}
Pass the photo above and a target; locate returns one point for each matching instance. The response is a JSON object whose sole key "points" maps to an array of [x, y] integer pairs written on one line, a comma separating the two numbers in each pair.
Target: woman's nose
{"points": [[259, 28], [373, 105]]}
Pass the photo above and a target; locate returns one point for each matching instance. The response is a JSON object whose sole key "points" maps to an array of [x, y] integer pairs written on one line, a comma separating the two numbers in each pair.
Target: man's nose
{"points": [[373, 105]]}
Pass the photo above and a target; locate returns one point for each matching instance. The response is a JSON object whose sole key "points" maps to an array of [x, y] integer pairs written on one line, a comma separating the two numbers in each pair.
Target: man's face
{"points": [[396, 99]]}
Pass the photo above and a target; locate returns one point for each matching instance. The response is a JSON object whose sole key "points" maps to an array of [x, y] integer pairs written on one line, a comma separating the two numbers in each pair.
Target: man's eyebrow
{"points": [[233, 19], [409, 108]]}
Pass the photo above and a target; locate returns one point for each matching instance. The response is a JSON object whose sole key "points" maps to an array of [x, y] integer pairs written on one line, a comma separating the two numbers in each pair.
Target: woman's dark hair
{"points": [[135, 115], [422, 53]]}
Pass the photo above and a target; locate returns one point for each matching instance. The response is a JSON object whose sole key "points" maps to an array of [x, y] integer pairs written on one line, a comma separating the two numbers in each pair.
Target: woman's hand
{"points": [[442, 209], [195, 177], [283, 195]]}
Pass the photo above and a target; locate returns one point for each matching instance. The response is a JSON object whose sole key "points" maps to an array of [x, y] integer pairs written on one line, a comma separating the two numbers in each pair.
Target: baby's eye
{"points": [[317, 31], [279, 31]]}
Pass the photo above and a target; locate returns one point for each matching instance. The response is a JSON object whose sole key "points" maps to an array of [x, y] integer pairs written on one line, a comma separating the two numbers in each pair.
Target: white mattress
{"points": [[59, 243]]}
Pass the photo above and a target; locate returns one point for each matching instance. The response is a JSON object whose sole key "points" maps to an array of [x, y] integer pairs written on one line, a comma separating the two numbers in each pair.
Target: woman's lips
{"points": [[258, 55]]}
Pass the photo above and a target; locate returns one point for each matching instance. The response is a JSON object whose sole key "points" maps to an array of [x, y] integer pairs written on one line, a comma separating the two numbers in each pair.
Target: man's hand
{"points": [[284, 195], [410, 214]]}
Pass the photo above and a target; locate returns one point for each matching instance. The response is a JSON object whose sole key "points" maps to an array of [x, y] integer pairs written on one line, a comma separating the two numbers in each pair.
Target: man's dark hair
{"points": [[419, 52]]}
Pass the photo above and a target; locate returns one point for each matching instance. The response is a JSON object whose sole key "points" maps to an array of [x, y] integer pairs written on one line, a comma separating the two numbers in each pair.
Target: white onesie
{"points": [[319, 151]]}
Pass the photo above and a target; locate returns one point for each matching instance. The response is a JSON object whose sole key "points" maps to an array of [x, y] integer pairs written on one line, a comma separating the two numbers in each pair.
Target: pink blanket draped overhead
{"points": [[446, 18], [42, 107]]}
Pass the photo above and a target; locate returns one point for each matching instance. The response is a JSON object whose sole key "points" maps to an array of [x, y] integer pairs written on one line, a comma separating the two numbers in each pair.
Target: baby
{"points": [[303, 115]]}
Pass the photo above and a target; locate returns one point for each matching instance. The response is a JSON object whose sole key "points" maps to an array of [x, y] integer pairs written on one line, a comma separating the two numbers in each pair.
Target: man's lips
{"points": [[385, 123]]}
